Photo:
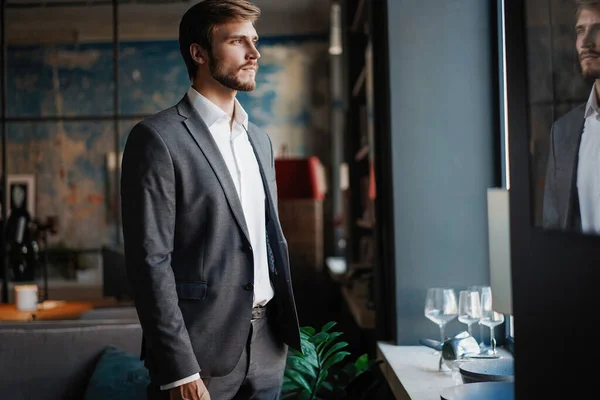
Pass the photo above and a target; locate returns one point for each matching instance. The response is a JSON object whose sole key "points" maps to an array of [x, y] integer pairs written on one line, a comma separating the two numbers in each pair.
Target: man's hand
{"points": [[194, 390]]}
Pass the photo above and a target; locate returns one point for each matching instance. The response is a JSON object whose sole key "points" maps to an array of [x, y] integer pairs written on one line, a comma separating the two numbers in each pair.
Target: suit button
{"points": [[249, 286]]}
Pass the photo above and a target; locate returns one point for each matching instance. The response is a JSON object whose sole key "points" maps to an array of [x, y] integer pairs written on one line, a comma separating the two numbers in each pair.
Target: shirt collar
{"points": [[211, 113], [592, 104]]}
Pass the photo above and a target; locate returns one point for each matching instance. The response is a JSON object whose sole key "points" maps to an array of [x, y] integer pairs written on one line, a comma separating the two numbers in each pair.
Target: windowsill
{"points": [[412, 371]]}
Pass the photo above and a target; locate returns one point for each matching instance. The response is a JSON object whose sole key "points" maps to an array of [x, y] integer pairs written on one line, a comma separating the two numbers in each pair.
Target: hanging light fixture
{"points": [[335, 34]]}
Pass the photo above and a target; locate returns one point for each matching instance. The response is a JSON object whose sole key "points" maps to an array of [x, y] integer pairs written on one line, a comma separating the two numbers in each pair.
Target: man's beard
{"points": [[229, 78], [590, 72]]}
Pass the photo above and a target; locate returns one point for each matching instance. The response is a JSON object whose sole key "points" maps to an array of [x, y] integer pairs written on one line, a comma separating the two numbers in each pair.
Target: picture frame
{"points": [[27, 182]]}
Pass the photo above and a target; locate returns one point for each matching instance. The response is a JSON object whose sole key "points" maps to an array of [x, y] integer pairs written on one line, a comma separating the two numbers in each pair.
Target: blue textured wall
{"points": [[69, 159]]}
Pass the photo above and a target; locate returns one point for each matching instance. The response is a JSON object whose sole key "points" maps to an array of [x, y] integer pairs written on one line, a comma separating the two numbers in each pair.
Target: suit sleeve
{"points": [[148, 214], [549, 214]]}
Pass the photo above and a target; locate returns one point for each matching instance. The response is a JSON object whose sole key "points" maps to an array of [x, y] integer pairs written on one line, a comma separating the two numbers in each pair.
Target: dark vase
{"points": [[22, 251]]}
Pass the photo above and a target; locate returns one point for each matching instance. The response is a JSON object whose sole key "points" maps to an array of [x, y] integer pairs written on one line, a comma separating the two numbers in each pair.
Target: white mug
{"points": [[26, 297]]}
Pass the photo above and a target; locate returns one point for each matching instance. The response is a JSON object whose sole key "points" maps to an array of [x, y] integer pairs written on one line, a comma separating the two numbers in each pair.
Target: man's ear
{"points": [[199, 55]]}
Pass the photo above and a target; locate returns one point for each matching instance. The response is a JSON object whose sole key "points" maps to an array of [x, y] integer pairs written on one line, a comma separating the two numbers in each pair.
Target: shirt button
{"points": [[248, 286]]}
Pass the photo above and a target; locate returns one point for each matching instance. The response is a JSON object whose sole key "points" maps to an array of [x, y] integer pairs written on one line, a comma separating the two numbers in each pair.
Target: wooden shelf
{"points": [[362, 153], [365, 224], [359, 17], [356, 301], [360, 223], [360, 83]]}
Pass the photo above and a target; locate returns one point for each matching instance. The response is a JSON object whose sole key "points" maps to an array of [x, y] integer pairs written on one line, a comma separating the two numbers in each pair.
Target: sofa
{"points": [[56, 359]]}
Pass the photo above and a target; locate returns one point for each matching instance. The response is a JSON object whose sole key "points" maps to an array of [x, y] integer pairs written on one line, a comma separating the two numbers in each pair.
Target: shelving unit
{"points": [[369, 285], [359, 138], [357, 286]]}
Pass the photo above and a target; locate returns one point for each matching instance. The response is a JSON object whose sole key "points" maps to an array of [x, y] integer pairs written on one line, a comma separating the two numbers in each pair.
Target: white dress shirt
{"points": [[588, 168], [236, 149]]}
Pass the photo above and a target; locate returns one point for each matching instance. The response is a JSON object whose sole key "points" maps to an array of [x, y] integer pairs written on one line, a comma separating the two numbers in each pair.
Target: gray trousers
{"points": [[258, 374]]}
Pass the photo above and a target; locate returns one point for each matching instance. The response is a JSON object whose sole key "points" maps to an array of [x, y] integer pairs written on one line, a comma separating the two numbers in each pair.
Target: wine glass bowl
{"points": [[441, 307], [469, 308]]}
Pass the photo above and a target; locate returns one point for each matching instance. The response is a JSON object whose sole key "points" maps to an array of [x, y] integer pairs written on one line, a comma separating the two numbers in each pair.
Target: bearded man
{"points": [[206, 258]]}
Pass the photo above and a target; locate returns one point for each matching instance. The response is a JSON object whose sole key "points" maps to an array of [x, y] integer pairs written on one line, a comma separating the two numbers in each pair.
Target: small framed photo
{"points": [[21, 192]]}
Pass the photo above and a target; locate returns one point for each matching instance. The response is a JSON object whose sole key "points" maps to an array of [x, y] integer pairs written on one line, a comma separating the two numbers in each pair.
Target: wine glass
{"points": [[440, 307], [480, 289], [469, 308], [490, 318]]}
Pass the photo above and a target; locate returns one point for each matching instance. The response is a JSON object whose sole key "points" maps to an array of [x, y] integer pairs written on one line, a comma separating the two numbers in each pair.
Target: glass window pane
{"points": [[152, 76], [59, 61], [70, 164], [556, 86], [125, 127]]}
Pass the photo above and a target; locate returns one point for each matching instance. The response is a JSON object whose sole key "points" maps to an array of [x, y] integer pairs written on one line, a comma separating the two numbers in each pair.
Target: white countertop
{"points": [[412, 371]]}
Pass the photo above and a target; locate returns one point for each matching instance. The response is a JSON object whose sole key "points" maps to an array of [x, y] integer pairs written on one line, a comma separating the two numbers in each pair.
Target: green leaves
{"points": [[318, 372], [297, 378], [302, 365]]}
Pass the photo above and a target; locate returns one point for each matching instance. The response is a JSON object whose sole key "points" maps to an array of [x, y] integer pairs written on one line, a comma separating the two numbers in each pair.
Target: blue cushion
{"points": [[118, 375]]}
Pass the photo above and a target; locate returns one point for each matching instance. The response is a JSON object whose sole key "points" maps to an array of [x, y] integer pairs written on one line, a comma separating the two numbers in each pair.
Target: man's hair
{"points": [[198, 24], [581, 4]]}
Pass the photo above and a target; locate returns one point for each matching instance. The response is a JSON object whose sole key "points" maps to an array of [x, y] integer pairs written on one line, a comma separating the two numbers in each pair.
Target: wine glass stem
{"points": [[481, 333], [492, 340], [442, 333], [469, 329]]}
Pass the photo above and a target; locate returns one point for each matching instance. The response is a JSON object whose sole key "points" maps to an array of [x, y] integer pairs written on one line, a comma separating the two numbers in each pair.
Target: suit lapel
{"points": [[273, 227], [571, 154], [202, 136], [263, 164]]}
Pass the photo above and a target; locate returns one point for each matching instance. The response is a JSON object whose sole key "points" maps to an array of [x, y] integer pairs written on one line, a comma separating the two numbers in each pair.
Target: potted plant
{"points": [[320, 370]]}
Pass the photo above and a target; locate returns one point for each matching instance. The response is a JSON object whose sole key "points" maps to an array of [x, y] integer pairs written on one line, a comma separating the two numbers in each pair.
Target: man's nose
{"points": [[253, 54], [589, 39]]}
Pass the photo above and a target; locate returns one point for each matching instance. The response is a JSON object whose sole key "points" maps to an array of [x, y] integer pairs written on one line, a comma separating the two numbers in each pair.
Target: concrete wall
{"points": [[441, 87]]}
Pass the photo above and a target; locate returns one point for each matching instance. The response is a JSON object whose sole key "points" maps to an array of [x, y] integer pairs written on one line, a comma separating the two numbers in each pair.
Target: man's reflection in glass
{"points": [[572, 189]]}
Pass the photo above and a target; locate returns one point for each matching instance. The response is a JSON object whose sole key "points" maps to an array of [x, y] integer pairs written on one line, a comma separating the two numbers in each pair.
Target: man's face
{"points": [[233, 61], [587, 29]]}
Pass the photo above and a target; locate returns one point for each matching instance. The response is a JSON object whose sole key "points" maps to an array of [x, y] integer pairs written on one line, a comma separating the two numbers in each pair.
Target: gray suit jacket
{"points": [[561, 201], [188, 255]]}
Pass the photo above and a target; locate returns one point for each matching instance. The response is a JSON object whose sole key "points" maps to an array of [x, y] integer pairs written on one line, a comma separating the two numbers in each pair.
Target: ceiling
{"points": [[265, 5], [41, 21]]}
